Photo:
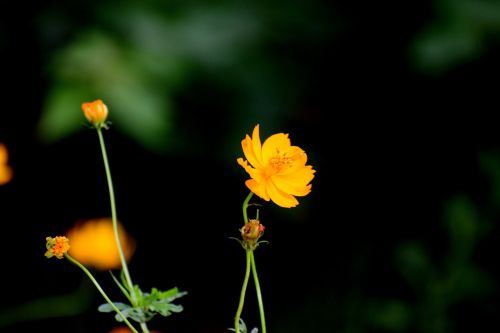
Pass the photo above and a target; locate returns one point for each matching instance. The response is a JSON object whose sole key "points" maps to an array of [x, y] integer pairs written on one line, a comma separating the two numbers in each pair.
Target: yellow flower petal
{"points": [[257, 147], [290, 187], [281, 198], [300, 176], [3, 154], [93, 243], [249, 152], [5, 171], [258, 188], [297, 158], [274, 144], [5, 174], [251, 171]]}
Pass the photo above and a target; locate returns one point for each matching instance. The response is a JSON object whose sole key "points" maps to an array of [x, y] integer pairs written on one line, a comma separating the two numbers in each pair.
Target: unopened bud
{"points": [[96, 113], [251, 232]]}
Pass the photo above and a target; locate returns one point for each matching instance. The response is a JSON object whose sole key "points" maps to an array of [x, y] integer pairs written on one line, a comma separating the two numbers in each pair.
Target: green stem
{"points": [[242, 294], [74, 261], [259, 293], [145, 328], [245, 206], [113, 216], [115, 226]]}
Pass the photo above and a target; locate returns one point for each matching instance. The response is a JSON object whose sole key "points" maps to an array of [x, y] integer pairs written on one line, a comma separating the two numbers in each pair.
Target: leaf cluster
{"points": [[144, 305]]}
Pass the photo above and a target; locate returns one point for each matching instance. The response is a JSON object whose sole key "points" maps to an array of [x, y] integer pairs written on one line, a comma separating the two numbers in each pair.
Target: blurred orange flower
{"points": [[96, 112], [56, 247], [277, 169], [5, 170], [93, 243], [124, 329]]}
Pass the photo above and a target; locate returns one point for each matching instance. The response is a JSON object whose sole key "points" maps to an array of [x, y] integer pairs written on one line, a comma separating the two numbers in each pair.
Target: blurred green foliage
{"points": [[440, 282], [139, 58], [460, 31]]}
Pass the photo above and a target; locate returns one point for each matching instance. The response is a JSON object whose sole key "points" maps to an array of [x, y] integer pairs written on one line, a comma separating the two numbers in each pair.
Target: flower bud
{"points": [[96, 113], [251, 232], [56, 247]]}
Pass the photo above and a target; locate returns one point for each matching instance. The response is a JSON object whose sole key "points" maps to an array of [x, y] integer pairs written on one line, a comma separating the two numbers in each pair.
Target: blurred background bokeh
{"points": [[395, 104]]}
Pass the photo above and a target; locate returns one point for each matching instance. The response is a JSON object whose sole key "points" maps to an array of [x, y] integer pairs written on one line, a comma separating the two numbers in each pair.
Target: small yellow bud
{"points": [[96, 113]]}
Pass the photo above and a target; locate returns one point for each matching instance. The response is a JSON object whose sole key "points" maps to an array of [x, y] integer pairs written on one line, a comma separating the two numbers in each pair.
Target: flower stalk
{"points": [[251, 232], [258, 291], [242, 293], [114, 219], [113, 214], [98, 286]]}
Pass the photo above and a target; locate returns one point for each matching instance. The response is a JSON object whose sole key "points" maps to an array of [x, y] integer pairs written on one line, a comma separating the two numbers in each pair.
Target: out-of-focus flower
{"points": [[5, 170], [96, 113], [124, 329], [277, 169], [93, 243], [56, 247]]}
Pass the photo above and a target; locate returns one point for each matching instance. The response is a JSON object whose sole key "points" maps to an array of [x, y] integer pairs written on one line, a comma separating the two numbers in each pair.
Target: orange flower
{"points": [[93, 243], [96, 113], [56, 247], [5, 170], [277, 169]]}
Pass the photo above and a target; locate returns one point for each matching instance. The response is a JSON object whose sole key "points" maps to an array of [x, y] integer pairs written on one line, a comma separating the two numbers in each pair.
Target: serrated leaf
{"points": [[106, 307], [133, 313]]}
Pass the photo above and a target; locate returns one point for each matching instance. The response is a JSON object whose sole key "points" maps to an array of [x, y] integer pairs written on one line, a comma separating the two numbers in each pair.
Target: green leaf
{"points": [[106, 307], [160, 302], [62, 115], [243, 328], [148, 304]]}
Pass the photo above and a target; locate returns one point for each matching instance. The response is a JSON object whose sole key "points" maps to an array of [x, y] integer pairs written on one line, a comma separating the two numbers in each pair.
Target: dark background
{"points": [[395, 105]]}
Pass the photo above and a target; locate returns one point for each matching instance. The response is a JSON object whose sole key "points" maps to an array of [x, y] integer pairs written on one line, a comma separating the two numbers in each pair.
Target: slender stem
{"points": [[145, 328], [74, 261], [115, 226], [245, 206], [259, 293], [242, 294], [113, 216]]}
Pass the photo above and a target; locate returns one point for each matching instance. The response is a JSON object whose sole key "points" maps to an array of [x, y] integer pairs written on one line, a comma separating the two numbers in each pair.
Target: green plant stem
{"points": [[113, 215], [145, 328], [115, 226], [74, 261], [245, 206], [242, 294], [259, 293]]}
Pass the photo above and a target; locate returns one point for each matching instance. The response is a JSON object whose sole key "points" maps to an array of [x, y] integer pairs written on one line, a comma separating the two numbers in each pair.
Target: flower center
{"points": [[280, 161]]}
